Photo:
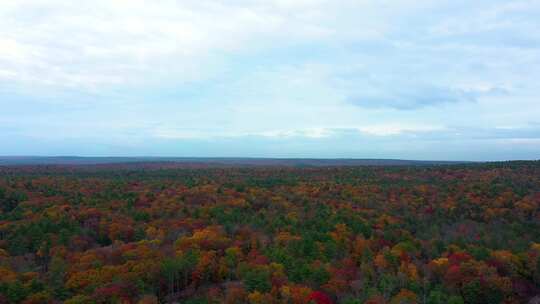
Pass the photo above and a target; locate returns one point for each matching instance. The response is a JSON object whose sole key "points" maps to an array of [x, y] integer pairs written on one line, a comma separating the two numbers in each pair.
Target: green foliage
{"points": [[15, 292], [388, 284], [455, 300], [79, 299], [56, 277], [472, 292], [197, 301], [10, 201], [480, 253], [257, 280], [436, 297], [319, 276]]}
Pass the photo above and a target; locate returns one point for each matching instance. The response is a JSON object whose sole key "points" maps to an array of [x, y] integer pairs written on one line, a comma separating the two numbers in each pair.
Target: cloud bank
{"points": [[403, 79]]}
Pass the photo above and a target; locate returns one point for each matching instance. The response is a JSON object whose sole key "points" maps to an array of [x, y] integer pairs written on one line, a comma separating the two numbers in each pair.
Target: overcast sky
{"points": [[415, 79]]}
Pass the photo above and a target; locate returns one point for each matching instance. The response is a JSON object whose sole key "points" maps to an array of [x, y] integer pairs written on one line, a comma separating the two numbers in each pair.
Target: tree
{"points": [[56, 277], [319, 297], [258, 280], [404, 297]]}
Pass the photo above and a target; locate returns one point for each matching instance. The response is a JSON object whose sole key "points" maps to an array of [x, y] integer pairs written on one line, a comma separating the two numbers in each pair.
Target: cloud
{"points": [[500, 24], [106, 43], [380, 130], [414, 96], [319, 73], [312, 133], [397, 129], [409, 98]]}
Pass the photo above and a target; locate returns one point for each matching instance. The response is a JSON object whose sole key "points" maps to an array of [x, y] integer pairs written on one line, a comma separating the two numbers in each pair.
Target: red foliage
{"points": [[459, 257], [319, 297]]}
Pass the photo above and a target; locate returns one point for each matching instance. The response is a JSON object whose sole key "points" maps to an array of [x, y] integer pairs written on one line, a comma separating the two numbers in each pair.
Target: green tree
{"points": [[257, 280], [56, 277]]}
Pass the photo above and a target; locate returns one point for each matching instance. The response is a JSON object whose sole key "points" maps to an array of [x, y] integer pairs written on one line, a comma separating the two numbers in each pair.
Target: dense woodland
{"points": [[163, 234]]}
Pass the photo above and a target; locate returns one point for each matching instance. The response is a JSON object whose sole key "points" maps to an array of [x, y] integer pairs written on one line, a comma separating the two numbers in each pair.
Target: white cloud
{"points": [[314, 133], [110, 42], [397, 129], [381, 130]]}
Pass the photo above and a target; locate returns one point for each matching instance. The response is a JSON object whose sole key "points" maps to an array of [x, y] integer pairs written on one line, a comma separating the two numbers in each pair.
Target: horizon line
{"points": [[254, 158]]}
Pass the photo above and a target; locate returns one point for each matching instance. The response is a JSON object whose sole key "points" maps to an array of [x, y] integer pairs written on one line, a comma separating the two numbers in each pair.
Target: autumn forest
{"points": [[169, 233]]}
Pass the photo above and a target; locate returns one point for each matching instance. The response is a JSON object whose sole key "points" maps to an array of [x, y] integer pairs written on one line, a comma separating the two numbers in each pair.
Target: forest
{"points": [[162, 233]]}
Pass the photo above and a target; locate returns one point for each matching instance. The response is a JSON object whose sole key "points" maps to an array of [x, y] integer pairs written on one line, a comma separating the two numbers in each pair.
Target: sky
{"points": [[409, 79]]}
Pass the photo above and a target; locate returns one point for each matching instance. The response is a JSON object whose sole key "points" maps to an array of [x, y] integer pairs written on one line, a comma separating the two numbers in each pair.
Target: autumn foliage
{"points": [[162, 234]]}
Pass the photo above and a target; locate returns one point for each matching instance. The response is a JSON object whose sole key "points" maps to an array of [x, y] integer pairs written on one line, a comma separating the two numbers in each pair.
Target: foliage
{"points": [[157, 233]]}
